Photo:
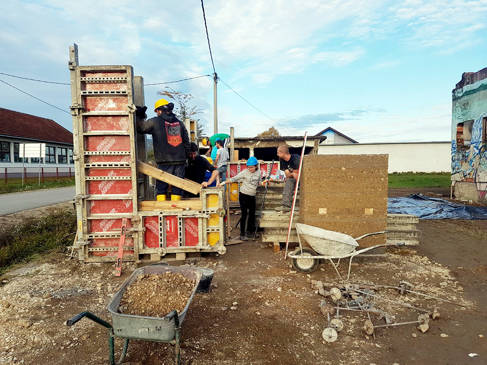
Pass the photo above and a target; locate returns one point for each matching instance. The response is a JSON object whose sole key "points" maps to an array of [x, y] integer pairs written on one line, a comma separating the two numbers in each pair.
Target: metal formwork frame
{"points": [[82, 198]]}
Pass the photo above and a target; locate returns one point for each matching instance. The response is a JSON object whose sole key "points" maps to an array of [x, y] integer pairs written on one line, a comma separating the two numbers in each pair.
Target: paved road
{"points": [[16, 202]]}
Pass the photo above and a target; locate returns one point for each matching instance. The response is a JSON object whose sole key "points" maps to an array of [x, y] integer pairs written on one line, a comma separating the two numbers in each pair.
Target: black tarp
{"points": [[425, 207]]}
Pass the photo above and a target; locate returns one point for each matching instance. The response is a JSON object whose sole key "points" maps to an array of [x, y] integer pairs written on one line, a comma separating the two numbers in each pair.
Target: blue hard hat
{"points": [[252, 161]]}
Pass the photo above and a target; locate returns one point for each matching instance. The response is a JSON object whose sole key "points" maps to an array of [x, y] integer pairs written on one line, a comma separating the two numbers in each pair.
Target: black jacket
{"points": [[169, 136], [196, 169]]}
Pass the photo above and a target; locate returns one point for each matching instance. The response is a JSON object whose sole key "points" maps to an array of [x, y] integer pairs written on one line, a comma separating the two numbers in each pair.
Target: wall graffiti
{"points": [[470, 164]]}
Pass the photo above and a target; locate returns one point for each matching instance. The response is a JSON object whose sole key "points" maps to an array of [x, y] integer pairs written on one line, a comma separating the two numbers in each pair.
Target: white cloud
{"points": [[425, 124], [445, 25]]}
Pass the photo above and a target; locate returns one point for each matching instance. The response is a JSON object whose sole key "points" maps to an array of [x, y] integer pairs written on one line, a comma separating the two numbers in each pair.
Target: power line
{"points": [[173, 82], [35, 97], [208, 37], [248, 102], [30, 79]]}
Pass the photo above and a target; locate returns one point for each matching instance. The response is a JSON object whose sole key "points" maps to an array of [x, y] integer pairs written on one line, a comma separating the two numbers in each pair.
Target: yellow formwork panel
{"points": [[234, 192], [212, 201], [213, 238], [214, 220]]}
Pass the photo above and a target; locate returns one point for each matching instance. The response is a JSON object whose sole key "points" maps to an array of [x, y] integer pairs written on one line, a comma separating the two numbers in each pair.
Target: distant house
{"points": [[469, 137], [335, 137], [17, 128]]}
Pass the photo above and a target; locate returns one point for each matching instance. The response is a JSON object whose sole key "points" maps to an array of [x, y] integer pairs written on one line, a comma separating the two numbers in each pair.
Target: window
{"points": [[17, 158], [4, 151], [464, 134], [70, 156], [62, 156], [50, 154], [36, 160]]}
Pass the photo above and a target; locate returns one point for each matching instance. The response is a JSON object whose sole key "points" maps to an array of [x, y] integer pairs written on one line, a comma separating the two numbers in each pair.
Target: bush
{"points": [[20, 242]]}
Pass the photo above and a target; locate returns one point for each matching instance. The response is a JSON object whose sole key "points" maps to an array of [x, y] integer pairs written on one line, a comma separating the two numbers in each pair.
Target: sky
{"points": [[377, 71]]}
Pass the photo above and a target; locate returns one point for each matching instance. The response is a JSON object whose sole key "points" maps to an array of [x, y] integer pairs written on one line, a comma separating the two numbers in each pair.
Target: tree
{"points": [[271, 132], [183, 106]]}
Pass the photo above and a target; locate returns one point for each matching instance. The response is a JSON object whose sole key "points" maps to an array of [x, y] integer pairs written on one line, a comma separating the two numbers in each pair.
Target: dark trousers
{"points": [[247, 205], [176, 170]]}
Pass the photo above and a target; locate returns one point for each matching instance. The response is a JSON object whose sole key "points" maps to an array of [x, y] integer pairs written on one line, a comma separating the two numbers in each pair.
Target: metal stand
{"points": [[111, 336]]}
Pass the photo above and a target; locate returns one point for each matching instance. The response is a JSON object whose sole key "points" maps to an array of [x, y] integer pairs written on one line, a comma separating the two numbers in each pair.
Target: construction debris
{"points": [[364, 298]]}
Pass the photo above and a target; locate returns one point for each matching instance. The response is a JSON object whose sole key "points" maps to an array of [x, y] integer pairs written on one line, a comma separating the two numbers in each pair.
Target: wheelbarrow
{"points": [[327, 245], [164, 329]]}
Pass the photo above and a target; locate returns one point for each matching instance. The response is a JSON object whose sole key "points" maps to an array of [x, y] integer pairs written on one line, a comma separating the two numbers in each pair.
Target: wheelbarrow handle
{"points": [[174, 314], [369, 234], [88, 315]]}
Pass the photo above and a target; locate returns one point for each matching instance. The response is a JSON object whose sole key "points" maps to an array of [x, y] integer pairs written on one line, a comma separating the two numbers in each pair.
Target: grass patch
{"points": [[21, 242], [419, 180], [15, 185]]}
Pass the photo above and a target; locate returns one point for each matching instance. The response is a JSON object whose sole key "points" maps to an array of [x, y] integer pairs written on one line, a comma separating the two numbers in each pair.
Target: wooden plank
{"points": [[191, 204], [154, 172]]}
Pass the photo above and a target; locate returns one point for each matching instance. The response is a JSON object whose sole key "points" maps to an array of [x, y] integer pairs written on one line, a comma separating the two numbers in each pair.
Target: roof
{"points": [[336, 132], [21, 125], [469, 78], [277, 138]]}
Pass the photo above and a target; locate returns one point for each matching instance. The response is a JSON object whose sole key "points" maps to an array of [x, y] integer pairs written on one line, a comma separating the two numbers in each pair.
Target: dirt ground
{"points": [[260, 310]]}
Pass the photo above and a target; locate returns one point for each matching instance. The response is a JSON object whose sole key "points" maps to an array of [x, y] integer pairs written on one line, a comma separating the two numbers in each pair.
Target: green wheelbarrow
{"points": [[164, 329]]}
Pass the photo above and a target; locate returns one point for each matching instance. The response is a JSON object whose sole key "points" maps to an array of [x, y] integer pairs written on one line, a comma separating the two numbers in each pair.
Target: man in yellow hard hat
{"points": [[171, 145]]}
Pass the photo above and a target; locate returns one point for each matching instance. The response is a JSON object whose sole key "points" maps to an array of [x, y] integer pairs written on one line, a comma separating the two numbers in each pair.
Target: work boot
{"points": [[283, 209], [175, 198], [161, 197]]}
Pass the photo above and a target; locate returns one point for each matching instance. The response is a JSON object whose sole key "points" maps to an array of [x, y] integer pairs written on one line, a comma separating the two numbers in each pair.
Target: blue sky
{"points": [[378, 71]]}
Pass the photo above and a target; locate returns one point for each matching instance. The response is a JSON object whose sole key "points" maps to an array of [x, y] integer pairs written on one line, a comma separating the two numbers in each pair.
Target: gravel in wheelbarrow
{"points": [[155, 295]]}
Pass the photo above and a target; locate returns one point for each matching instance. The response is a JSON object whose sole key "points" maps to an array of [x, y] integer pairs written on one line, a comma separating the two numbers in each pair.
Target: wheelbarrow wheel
{"points": [[305, 264]]}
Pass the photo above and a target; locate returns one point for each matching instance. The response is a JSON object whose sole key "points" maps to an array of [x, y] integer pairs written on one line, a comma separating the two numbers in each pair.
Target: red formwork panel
{"points": [[109, 206], [106, 225], [106, 123], [151, 234], [191, 232], [102, 86], [105, 103], [107, 143], [172, 231], [109, 187], [100, 74], [109, 172], [264, 168], [233, 170], [111, 242], [105, 158]]}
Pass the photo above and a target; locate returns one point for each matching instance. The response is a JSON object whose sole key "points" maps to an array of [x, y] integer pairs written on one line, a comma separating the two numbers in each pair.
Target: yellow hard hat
{"points": [[159, 103], [204, 141], [210, 160]]}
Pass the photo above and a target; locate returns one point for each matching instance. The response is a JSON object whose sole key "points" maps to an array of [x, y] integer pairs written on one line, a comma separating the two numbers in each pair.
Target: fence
{"points": [[36, 174]]}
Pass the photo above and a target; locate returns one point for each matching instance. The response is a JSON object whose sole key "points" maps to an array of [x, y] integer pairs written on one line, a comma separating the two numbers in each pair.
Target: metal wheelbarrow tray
{"points": [[161, 329], [327, 245], [149, 328]]}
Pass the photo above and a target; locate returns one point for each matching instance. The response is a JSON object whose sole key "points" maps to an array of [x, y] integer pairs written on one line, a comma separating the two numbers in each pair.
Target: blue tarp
{"points": [[425, 207]]}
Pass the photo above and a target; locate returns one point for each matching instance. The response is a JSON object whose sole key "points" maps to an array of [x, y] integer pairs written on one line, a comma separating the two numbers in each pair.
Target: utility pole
{"points": [[215, 112]]}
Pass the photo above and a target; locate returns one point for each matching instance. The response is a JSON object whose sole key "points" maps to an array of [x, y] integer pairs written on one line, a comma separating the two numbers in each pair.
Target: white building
{"points": [[334, 137], [17, 128]]}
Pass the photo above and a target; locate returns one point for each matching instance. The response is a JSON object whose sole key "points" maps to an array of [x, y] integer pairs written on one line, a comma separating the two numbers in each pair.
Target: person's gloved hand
{"points": [[140, 112]]}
